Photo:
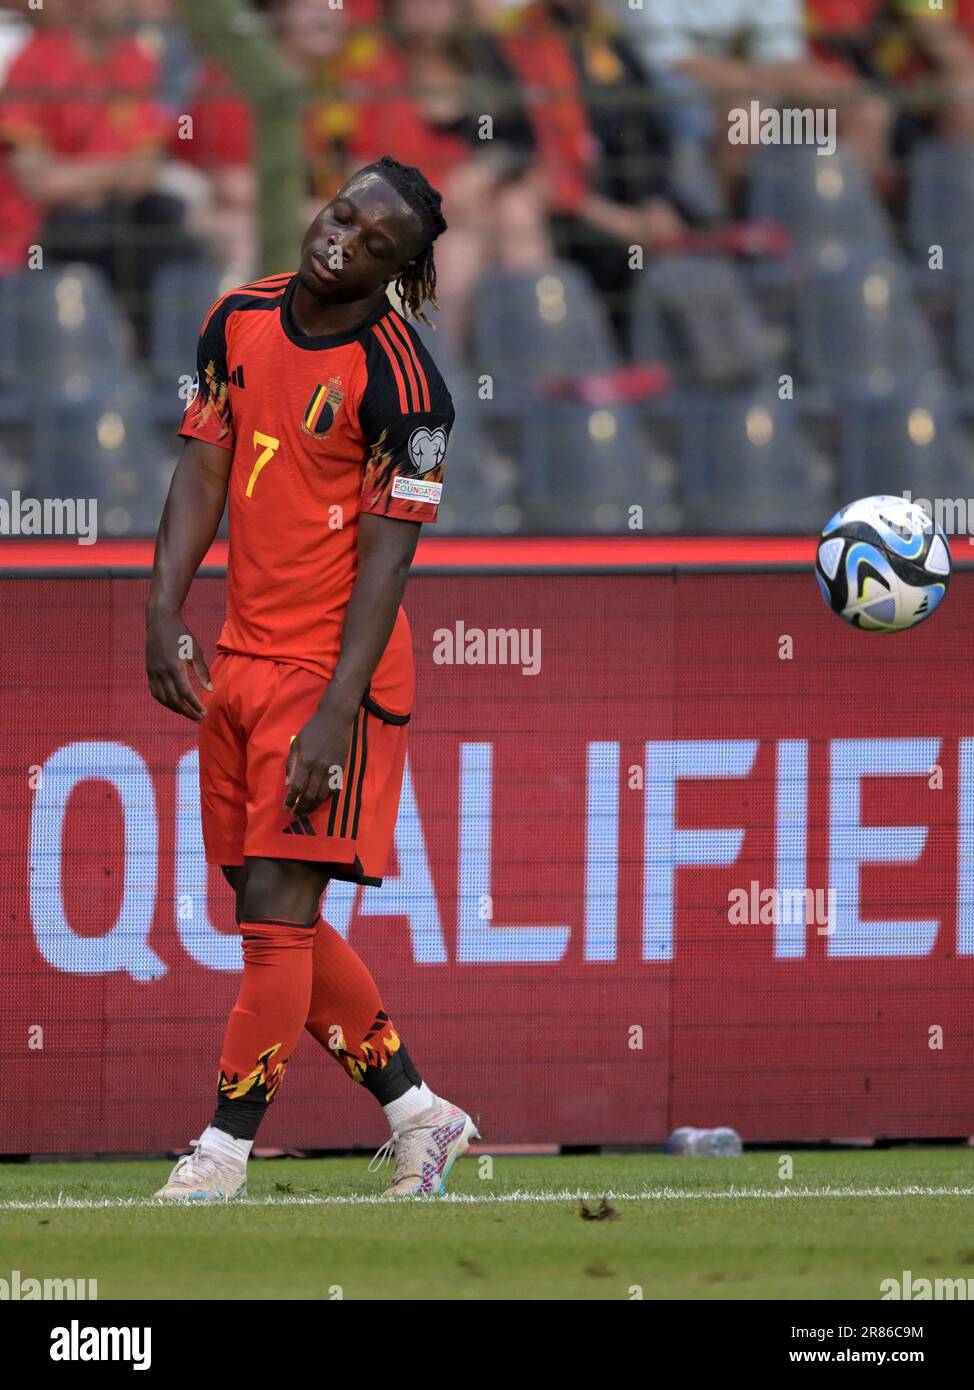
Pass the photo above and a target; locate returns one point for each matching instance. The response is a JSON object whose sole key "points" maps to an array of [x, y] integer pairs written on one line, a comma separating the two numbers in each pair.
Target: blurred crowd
{"points": [[559, 131], [568, 128]]}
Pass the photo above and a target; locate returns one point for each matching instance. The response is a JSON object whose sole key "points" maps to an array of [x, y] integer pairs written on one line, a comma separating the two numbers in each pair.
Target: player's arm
{"points": [[190, 521], [385, 551]]}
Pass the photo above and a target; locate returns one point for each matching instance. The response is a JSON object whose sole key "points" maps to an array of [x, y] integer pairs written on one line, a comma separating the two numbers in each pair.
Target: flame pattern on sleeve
{"points": [[381, 469], [213, 402]]}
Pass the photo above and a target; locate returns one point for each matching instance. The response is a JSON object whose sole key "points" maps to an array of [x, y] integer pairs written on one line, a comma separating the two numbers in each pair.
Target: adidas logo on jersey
{"points": [[237, 377]]}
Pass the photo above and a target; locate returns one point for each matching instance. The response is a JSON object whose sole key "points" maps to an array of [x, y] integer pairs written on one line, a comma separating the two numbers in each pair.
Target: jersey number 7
{"points": [[270, 446]]}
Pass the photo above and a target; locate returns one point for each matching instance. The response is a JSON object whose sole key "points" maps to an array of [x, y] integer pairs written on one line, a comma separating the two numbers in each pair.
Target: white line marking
{"points": [[656, 1194]]}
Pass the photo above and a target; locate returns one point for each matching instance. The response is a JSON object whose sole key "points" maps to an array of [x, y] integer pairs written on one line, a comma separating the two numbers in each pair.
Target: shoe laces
{"points": [[386, 1153], [199, 1163]]}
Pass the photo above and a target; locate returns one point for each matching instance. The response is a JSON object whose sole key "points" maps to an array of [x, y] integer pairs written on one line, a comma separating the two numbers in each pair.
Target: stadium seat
{"points": [[479, 496], [61, 328], [819, 198], [909, 442], [695, 315], [101, 444], [529, 324], [584, 466], [941, 204], [182, 293], [577, 466], [860, 332], [964, 325], [747, 465], [64, 342], [16, 395]]}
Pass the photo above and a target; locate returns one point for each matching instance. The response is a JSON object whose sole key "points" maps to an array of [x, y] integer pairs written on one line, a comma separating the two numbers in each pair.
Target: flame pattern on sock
{"points": [[379, 1044], [261, 1083]]}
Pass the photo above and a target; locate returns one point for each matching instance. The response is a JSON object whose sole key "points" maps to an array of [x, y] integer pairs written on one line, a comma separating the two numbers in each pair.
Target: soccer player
{"points": [[318, 408]]}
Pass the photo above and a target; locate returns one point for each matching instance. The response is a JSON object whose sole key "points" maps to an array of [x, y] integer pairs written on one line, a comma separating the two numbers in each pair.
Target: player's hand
{"points": [[316, 762], [171, 651]]}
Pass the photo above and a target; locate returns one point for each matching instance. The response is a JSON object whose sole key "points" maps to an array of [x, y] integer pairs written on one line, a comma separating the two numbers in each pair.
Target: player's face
{"points": [[359, 241]]}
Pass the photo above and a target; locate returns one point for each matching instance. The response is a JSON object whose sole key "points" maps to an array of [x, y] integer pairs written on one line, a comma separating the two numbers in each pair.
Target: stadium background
{"points": [[786, 345]]}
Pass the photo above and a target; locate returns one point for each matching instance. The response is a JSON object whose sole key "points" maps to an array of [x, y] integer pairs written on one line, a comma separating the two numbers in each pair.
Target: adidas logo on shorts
{"points": [[301, 825]]}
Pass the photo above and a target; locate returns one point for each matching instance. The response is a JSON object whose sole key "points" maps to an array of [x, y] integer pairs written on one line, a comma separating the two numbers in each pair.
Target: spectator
{"points": [[160, 29], [413, 87], [83, 137], [926, 53], [424, 99], [713, 55], [329, 48], [725, 44], [15, 33], [605, 151]]}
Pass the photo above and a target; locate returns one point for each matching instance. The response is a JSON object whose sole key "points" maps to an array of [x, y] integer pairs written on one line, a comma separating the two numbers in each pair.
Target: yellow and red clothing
{"points": [[77, 107], [868, 38]]}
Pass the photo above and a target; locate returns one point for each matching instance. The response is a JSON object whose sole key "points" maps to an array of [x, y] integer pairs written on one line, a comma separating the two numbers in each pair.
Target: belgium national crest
{"points": [[322, 408]]}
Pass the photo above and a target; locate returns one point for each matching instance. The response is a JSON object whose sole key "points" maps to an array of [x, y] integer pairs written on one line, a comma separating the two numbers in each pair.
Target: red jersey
{"points": [[76, 107], [321, 429], [873, 37]]}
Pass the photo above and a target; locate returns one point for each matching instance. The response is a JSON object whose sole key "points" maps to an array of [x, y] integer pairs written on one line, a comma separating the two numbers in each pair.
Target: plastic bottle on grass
{"points": [[690, 1142], [721, 1142]]}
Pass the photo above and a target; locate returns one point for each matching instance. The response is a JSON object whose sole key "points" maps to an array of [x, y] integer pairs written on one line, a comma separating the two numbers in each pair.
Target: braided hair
{"points": [[416, 285]]}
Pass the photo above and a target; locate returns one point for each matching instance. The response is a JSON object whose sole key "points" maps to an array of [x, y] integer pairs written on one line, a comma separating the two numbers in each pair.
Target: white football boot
{"points": [[203, 1176], [426, 1151]]}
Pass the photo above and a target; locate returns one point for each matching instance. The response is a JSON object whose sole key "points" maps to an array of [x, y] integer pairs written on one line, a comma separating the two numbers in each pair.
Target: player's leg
{"points": [[349, 837], [278, 916], [428, 1133], [223, 802], [348, 1018], [236, 876], [278, 922], [276, 982]]}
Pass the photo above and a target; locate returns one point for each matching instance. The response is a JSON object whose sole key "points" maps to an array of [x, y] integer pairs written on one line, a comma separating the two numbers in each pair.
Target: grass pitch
{"points": [[536, 1229]]}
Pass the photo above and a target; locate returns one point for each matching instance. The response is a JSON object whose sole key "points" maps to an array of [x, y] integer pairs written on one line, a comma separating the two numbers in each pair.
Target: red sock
{"points": [[267, 1019], [346, 1014]]}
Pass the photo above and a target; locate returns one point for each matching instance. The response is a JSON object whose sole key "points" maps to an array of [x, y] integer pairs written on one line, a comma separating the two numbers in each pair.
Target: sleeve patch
{"points": [[415, 490], [426, 449]]}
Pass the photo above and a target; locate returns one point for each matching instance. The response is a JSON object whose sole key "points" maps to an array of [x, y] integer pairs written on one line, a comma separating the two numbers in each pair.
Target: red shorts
{"points": [[253, 712]]}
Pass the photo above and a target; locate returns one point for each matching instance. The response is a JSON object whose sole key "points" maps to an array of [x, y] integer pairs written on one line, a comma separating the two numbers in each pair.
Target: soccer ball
{"points": [[883, 564]]}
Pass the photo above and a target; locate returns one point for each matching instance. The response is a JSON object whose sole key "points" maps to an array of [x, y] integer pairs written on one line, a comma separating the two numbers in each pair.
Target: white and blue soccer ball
{"points": [[883, 564]]}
